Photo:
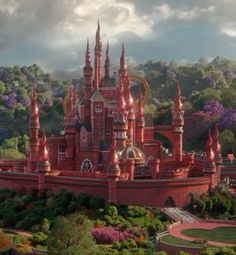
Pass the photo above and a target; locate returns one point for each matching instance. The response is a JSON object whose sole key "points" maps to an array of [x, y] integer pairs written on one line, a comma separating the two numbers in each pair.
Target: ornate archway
{"points": [[169, 202]]}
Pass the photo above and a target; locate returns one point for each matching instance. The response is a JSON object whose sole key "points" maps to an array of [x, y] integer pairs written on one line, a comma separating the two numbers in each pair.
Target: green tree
{"points": [[2, 87], [227, 141], [71, 236]]}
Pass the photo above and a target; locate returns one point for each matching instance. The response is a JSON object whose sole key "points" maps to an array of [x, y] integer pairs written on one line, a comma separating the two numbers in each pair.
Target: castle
{"points": [[107, 150]]}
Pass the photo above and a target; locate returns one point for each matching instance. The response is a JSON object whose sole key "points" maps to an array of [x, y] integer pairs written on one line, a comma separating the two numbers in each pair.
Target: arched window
{"points": [[86, 166]]}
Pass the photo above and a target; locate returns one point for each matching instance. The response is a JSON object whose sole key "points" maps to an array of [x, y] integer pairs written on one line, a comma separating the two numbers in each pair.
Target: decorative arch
{"points": [[86, 166], [169, 202], [165, 141]]}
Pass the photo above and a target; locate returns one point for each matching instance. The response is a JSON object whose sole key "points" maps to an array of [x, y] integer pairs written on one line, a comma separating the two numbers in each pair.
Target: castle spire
{"points": [[121, 106], [209, 152], [122, 59], [178, 102], [97, 58], [107, 62], [43, 152], [33, 129], [87, 55], [113, 164], [215, 142]]}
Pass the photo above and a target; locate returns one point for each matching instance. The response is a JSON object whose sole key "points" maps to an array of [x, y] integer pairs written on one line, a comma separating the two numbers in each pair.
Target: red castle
{"points": [[108, 151]]}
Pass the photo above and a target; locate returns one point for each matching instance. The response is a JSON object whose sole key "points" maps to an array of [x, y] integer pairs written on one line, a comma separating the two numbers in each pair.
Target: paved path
{"points": [[176, 231], [18, 231]]}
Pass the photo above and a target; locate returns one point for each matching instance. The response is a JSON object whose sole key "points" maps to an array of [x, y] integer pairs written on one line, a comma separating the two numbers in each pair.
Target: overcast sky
{"points": [[52, 33]]}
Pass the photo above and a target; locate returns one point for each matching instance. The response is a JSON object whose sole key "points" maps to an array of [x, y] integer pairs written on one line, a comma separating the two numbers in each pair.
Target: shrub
{"points": [[107, 235], [39, 238], [19, 239]]}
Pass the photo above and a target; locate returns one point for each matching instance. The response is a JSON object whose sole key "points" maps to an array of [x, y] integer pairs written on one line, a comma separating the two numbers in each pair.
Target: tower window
{"points": [[98, 108]]}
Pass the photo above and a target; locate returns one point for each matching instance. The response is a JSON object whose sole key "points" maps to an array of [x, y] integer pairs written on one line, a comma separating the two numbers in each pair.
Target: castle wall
{"points": [[155, 192], [148, 193]]}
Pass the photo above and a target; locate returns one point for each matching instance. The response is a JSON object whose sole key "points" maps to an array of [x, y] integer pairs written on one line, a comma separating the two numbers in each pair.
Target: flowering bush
{"points": [[107, 235]]}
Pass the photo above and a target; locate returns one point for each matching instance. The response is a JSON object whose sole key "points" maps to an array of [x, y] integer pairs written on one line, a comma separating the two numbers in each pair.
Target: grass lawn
{"points": [[220, 234], [177, 241]]}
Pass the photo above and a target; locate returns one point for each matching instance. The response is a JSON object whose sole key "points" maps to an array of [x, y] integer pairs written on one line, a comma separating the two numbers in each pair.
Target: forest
{"points": [[208, 92]]}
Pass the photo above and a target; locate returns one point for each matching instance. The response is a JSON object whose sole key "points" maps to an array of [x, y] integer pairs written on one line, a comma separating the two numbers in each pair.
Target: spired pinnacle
{"points": [[209, 152], [87, 54], [122, 58], [178, 102], [43, 152], [215, 141]]}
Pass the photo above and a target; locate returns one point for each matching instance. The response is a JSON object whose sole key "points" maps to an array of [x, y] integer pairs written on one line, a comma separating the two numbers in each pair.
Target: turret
{"points": [[107, 63], [70, 120], [210, 167], [139, 131], [43, 165], [97, 58], [113, 165], [113, 172], [33, 130], [120, 119], [88, 88], [177, 123]]}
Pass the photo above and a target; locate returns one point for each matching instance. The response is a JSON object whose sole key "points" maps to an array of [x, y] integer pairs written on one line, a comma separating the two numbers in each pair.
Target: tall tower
{"points": [[120, 119], [177, 123], [97, 58], [69, 124], [33, 130], [88, 87], [107, 63], [139, 131]]}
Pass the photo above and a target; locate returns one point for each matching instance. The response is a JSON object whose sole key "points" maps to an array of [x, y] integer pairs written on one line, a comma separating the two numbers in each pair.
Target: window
{"points": [[98, 108], [61, 148], [86, 166]]}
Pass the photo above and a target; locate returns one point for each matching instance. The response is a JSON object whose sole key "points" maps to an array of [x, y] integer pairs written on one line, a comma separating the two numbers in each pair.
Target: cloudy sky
{"points": [[52, 33]]}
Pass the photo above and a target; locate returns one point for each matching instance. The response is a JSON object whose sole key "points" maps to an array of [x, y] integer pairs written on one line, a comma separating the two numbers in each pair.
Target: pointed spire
{"points": [[113, 164], [34, 106], [121, 106], [215, 141], [43, 152], [209, 152], [98, 32], [87, 55], [97, 58], [70, 106], [178, 103], [107, 62], [140, 112], [122, 58]]}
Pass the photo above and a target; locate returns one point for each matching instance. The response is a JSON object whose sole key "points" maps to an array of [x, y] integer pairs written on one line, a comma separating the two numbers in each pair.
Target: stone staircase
{"points": [[178, 214]]}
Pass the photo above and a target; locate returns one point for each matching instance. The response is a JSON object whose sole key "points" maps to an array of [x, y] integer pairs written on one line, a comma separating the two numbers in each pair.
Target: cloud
{"points": [[54, 31], [229, 30]]}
